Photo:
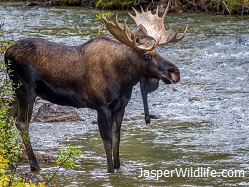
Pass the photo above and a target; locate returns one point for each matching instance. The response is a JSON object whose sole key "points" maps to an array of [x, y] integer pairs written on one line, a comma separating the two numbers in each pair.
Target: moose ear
{"points": [[142, 37], [141, 32]]}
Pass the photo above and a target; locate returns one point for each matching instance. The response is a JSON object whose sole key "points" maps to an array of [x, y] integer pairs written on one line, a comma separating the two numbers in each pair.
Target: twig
{"points": [[243, 9], [224, 5], [218, 5], [203, 4]]}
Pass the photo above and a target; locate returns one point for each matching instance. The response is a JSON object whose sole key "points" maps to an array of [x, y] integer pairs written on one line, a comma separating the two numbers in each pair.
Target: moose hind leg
{"points": [[25, 108], [117, 121]]}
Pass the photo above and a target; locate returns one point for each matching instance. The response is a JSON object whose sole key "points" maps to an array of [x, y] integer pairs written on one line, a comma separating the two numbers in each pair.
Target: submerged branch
{"points": [[1, 24]]}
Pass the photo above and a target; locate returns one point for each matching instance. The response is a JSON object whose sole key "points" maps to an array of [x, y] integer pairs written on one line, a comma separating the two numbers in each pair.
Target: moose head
{"points": [[150, 27]]}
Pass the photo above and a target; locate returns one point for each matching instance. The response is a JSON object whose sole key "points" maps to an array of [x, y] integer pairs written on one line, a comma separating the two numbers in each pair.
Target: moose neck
{"points": [[118, 61]]}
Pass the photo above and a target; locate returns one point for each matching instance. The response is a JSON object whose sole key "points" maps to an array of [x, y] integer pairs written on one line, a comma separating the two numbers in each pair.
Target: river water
{"points": [[202, 123]]}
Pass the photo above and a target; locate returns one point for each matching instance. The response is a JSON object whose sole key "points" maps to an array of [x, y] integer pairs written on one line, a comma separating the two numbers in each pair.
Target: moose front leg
{"points": [[117, 121], [147, 85], [105, 129], [144, 92]]}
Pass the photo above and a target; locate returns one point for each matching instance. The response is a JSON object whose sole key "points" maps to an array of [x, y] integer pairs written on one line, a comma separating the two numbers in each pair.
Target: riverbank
{"points": [[178, 6]]}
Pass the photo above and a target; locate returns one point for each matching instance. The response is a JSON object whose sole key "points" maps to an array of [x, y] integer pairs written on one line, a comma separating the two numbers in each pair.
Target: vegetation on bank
{"points": [[217, 6]]}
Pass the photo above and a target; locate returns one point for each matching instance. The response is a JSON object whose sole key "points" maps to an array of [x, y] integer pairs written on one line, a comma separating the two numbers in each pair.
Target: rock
{"points": [[176, 9], [196, 98], [33, 3], [40, 157], [49, 112]]}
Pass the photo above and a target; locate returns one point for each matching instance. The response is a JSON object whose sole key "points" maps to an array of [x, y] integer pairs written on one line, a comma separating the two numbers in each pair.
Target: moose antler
{"points": [[149, 26], [155, 25], [126, 36]]}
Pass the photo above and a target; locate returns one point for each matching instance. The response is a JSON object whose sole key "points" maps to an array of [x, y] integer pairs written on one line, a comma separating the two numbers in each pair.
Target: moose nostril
{"points": [[175, 77]]}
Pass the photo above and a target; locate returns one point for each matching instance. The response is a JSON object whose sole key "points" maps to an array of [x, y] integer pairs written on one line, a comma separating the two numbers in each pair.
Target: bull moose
{"points": [[99, 74]]}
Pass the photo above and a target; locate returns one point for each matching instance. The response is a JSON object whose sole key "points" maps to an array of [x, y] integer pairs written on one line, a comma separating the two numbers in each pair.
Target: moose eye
{"points": [[147, 56]]}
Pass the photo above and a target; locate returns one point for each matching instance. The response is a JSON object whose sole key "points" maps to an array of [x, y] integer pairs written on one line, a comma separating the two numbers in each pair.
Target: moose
{"points": [[98, 74]]}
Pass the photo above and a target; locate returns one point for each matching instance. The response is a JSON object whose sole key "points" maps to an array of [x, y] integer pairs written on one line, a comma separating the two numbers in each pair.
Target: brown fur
{"points": [[99, 74]]}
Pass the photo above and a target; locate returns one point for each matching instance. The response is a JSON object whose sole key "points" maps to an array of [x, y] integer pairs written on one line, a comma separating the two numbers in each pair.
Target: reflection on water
{"points": [[201, 122]]}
